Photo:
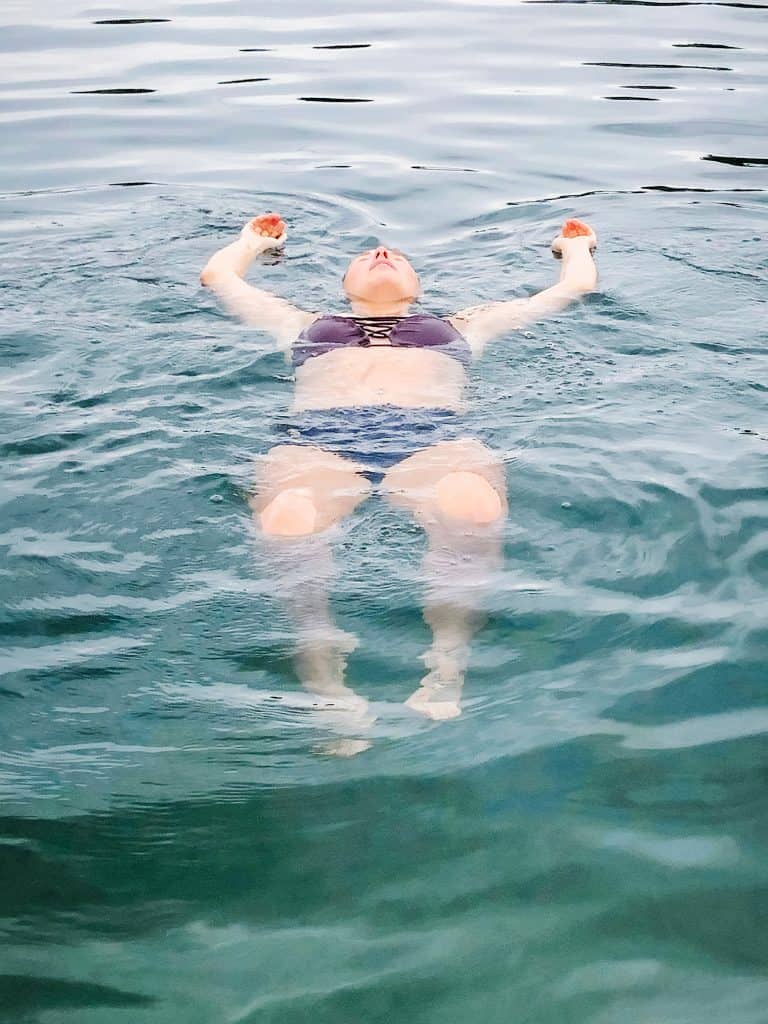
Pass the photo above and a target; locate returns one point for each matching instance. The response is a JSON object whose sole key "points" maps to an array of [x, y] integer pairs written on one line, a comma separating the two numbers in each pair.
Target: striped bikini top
{"points": [[422, 330]]}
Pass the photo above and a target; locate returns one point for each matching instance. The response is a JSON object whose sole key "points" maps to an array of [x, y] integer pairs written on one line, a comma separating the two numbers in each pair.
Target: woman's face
{"points": [[381, 275]]}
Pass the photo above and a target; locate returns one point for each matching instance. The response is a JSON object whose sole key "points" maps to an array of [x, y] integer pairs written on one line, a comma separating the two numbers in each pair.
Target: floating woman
{"points": [[378, 404]]}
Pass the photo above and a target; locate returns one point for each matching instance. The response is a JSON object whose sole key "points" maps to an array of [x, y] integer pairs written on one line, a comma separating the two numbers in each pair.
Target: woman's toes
{"points": [[344, 747], [425, 702]]}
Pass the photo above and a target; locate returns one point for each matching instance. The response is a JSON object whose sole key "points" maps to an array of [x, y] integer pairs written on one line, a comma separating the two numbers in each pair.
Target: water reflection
{"points": [[706, 46], [109, 92], [334, 99], [132, 21], [240, 81], [671, 67], [738, 161]]}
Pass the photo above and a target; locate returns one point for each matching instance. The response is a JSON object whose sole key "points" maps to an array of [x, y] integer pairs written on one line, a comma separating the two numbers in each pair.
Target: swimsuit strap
{"points": [[377, 328]]}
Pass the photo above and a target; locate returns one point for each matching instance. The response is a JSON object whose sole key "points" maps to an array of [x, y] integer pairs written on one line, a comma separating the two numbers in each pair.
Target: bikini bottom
{"points": [[377, 437]]}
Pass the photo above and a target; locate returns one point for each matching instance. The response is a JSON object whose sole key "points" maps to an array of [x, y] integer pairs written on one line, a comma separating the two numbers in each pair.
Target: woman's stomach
{"points": [[409, 378]]}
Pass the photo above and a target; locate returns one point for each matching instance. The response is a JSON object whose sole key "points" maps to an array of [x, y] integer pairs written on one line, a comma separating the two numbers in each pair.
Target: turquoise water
{"points": [[586, 844]]}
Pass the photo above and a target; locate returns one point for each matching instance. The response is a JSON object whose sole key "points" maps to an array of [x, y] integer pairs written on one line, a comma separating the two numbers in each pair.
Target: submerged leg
{"points": [[301, 492], [456, 492]]}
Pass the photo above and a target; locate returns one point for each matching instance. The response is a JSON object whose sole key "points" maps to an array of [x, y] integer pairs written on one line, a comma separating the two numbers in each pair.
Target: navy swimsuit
{"points": [[376, 436]]}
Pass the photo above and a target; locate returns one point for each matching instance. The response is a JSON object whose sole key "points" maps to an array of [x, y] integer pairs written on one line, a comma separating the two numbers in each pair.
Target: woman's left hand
{"points": [[264, 232], [573, 235]]}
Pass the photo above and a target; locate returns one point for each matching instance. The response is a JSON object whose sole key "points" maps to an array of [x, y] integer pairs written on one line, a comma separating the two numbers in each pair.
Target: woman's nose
{"points": [[381, 250]]}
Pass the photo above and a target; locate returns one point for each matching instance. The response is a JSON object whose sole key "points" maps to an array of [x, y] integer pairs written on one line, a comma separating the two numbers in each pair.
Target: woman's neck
{"points": [[362, 307]]}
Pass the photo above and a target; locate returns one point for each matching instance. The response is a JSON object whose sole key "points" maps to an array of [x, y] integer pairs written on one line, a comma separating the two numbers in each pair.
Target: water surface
{"points": [[587, 842]]}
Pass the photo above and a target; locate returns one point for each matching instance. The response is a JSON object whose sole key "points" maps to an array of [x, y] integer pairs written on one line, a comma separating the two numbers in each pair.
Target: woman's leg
{"points": [[456, 491], [300, 493]]}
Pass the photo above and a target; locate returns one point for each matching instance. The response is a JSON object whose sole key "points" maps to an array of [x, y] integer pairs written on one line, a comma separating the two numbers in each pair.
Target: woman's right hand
{"points": [[574, 234], [267, 231]]}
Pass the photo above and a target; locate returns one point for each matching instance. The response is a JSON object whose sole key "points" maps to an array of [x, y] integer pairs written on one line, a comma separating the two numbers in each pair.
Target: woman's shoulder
{"points": [[326, 324], [430, 323]]}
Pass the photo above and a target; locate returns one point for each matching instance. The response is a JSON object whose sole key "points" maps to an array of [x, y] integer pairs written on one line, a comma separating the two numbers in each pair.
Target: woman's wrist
{"points": [[578, 247], [579, 271], [253, 242]]}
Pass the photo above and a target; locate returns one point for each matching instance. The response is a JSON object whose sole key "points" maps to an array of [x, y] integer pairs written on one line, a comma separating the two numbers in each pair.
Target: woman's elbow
{"points": [[208, 276]]}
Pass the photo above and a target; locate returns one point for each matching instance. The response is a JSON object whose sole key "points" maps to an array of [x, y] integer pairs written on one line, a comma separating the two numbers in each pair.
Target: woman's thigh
{"points": [[453, 480], [305, 473]]}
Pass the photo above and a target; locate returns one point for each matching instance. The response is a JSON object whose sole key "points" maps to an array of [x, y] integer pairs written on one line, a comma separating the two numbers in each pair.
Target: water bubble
{"points": [[217, 498]]}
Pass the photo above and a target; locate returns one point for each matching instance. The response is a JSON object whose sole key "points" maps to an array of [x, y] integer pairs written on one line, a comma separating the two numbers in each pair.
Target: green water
{"points": [[586, 844]]}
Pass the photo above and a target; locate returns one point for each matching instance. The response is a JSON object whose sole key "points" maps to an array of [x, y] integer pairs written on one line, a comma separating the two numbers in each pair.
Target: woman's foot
{"points": [[427, 701], [439, 695], [344, 747], [349, 715], [343, 702]]}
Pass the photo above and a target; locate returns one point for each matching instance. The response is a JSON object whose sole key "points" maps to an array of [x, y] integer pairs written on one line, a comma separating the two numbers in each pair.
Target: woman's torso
{"points": [[412, 362]]}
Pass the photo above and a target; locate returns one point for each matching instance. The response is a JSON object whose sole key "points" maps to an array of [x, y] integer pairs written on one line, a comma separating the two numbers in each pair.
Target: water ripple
{"points": [[585, 841]]}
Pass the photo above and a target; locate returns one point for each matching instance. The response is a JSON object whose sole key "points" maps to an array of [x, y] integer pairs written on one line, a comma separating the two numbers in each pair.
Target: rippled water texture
{"points": [[587, 842]]}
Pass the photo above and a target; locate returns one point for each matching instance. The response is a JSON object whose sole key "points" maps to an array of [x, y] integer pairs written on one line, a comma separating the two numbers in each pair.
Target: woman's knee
{"points": [[301, 491], [291, 513], [468, 497]]}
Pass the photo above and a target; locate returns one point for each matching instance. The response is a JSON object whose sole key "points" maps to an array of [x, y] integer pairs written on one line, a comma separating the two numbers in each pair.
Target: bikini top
{"points": [[418, 331]]}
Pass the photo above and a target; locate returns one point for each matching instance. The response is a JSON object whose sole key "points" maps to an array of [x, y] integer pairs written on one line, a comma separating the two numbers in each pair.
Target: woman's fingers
{"points": [[270, 224], [573, 228]]}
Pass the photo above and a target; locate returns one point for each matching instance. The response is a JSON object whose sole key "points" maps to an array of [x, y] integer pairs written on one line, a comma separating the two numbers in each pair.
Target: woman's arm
{"points": [[574, 245], [225, 270]]}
